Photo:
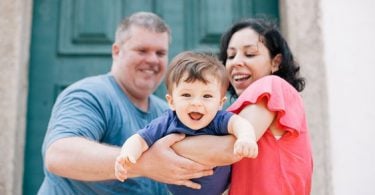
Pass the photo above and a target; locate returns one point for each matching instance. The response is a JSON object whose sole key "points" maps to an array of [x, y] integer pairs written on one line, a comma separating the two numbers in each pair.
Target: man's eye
{"points": [[207, 96], [161, 54]]}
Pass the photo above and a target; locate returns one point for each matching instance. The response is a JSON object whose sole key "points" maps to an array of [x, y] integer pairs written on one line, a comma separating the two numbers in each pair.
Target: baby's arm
{"points": [[132, 149], [245, 145]]}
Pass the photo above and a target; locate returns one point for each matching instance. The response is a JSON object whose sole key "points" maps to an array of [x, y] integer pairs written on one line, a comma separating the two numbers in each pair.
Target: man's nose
{"points": [[152, 58]]}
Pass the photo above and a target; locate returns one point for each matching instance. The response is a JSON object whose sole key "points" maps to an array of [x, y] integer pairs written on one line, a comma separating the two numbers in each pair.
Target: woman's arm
{"points": [[208, 149], [218, 150]]}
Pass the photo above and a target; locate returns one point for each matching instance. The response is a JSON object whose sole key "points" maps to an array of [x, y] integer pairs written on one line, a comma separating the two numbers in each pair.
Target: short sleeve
{"points": [[157, 128], [281, 97], [78, 113], [219, 124]]}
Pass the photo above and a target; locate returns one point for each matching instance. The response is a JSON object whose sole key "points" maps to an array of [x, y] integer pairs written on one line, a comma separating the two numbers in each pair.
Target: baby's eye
{"points": [[185, 95], [207, 96]]}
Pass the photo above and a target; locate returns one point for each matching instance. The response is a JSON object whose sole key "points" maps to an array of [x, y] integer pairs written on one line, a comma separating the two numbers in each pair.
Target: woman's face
{"points": [[248, 59]]}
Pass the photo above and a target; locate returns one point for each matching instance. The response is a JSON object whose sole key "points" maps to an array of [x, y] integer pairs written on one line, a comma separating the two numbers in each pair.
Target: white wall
{"points": [[349, 45]]}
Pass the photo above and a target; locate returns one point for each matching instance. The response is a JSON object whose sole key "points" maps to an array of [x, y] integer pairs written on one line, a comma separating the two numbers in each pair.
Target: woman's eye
{"points": [[250, 55], [230, 57]]}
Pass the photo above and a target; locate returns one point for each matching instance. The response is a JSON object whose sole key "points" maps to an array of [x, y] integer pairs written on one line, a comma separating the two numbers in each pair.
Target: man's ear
{"points": [[115, 50], [275, 63], [170, 101]]}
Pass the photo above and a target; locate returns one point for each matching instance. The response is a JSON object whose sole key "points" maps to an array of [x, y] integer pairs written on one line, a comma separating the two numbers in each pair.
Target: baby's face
{"points": [[196, 103]]}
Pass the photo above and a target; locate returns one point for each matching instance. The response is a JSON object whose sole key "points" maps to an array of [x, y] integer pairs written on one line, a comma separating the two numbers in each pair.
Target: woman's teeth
{"points": [[240, 77]]}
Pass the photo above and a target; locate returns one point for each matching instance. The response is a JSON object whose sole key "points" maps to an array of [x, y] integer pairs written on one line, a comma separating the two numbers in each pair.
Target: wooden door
{"points": [[71, 39]]}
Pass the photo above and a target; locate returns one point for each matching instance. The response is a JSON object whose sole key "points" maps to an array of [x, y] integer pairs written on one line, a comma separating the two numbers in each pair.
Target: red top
{"points": [[283, 166]]}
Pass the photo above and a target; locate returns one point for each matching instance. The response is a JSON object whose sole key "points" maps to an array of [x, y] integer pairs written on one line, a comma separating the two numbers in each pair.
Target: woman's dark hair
{"points": [[275, 43]]}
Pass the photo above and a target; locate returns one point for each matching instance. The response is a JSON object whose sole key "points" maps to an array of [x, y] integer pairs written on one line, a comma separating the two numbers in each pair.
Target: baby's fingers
{"points": [[240, 150], [120, 172], [253, 152]]}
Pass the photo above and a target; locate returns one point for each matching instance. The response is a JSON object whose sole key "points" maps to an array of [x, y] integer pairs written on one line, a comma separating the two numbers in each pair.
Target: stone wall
{"points": [[15, 22]]}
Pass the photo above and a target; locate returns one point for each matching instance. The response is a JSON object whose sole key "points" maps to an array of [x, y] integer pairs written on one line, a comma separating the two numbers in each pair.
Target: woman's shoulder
{"points": [[280, 96], [267, 85], [271, 81]]}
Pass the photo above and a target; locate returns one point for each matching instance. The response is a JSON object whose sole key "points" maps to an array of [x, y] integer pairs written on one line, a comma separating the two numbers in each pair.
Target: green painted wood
{"points": [[71, 39]]}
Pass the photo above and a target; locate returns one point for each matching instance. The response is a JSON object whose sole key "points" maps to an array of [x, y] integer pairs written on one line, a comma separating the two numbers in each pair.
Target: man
{"points": [[94, 116]]}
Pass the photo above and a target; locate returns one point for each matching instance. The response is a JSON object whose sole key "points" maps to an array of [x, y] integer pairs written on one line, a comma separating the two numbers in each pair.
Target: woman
{"points": [[264, 77]]}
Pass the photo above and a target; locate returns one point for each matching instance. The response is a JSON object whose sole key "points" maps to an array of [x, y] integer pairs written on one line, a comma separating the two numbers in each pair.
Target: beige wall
{"points": [[15, 22], [349, 37], [301, 24]]}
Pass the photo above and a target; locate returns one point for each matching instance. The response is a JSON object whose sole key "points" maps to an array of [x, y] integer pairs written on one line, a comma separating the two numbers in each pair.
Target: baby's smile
{"points": [[195, 115]]}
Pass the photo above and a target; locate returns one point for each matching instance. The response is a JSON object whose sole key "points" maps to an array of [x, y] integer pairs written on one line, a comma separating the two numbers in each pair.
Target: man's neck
{"points": [[141, 103]]}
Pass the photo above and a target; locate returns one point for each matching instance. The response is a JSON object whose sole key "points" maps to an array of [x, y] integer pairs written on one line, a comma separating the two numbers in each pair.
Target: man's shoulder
{"points": [[92, 82], [94, 86]]}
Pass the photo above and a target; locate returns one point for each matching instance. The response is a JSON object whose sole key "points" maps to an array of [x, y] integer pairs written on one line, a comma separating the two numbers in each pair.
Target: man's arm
{"points": [[81, 159]]}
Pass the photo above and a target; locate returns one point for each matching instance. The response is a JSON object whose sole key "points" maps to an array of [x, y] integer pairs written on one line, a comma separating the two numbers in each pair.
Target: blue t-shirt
{"points": [[169, 123], [97, 109]]}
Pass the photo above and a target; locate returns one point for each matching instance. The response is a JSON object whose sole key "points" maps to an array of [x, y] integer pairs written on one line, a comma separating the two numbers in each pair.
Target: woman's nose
{"points": [[238, 60]]}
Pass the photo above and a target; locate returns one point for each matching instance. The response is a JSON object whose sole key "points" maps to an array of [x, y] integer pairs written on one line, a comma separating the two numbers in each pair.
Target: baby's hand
{"points": [[246, 148], [122, 165]]}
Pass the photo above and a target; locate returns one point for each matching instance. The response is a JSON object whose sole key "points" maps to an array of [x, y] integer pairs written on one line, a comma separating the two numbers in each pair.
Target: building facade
{"points": [[332, 40]]}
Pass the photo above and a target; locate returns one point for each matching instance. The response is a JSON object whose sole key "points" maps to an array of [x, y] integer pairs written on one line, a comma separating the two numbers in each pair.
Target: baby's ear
{"points": [[170, 101], [222, 101]]}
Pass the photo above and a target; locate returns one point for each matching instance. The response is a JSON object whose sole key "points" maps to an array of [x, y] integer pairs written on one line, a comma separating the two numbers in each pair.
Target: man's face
{"points": [[141, 60]]}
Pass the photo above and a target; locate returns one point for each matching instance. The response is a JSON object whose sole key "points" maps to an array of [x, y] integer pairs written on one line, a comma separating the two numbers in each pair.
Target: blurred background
{"points": [[45, 45]]}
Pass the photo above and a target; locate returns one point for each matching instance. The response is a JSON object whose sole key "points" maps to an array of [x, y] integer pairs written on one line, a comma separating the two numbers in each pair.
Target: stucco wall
{"points": [[301, 24], [15, 22], [349, 37]]}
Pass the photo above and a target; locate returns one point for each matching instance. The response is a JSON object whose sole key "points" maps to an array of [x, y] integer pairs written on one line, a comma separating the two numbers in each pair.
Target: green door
{"points": [[71, 39]]}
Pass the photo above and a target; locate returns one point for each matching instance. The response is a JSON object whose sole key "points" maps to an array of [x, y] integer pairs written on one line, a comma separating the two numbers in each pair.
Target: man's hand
{"points": [[162, 164]]}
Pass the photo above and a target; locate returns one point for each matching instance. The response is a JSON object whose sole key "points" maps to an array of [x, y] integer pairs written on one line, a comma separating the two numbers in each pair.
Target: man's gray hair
{"points": [[148, 20]]}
